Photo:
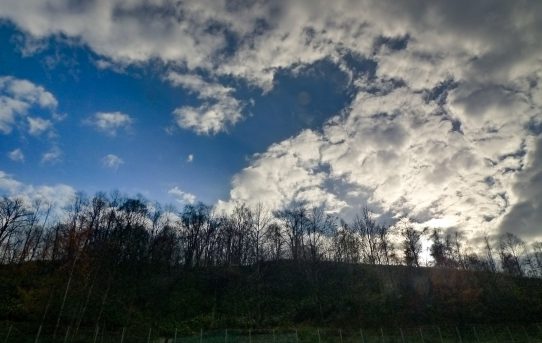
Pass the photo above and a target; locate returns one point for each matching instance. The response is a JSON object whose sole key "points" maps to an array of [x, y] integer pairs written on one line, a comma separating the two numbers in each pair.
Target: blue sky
{"points": [[423, 111], [303, 100]]}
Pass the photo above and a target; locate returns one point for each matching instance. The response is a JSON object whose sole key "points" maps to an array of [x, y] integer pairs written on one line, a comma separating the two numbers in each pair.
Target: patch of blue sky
{"points": [[154, 160]]}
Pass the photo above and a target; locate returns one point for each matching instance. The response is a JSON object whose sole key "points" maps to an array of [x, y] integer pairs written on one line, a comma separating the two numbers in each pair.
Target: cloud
{"points": [[37, 126], [16, 155], [219, 109], [59, 195], [182, 197], [253, 39], [525, 215], [110, 122], [287, 172], [400, 154], [190, 158], [250, 41], [443, 129], [52, 156], [112, 161], [17, 99]]}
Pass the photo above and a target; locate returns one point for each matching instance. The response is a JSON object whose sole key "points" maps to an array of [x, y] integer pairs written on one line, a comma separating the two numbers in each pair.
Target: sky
{"points": [[426, 110]]}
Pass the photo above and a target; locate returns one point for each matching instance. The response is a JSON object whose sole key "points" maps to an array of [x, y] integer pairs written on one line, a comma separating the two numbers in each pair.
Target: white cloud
{"points": [[110, 122], [37, 126], [399, 154], [112, 161], [52, 156], [219, 109], [287, 172], [17, 98], [59, 195], [182, 197], [190, 158], [16, 155]]}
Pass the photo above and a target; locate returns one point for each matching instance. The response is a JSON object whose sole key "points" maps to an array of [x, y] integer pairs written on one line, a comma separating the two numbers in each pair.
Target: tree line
{"points": [[122, 232]]}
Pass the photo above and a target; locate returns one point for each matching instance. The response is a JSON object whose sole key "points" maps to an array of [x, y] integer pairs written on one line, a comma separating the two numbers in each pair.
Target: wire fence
{"points": [[531, 333]]}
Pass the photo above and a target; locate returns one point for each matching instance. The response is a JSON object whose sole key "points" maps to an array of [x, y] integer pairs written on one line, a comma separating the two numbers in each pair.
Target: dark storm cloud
{"points": [[525, 216]]}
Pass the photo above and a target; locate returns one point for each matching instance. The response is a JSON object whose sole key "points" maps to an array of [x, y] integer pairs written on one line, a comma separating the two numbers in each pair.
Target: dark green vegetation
{"points": [[120, 263], [273, 294]]}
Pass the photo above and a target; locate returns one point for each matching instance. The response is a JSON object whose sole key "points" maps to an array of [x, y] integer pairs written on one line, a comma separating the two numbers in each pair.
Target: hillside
{"points": [[273, 294]]}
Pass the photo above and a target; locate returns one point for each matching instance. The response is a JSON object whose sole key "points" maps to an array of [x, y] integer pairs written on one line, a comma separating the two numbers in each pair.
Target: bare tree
{"points": [[489, 255], [319, 225], [194, 220], [367, 229], [412, 246], [511, 249], [295, 221], [13, 215], [537, 257], [346, 244], [275, 241], [438, 249], [261, 219]]}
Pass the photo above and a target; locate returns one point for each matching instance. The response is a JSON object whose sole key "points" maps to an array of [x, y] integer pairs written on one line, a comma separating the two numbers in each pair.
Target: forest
{"points": [[116, 261]]}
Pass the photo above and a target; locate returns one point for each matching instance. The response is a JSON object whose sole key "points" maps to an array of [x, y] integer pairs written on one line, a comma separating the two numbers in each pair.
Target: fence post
{"points": [[175, 336], [494, 335], [226, 336], [421, 334], [402, 335], [458, 334], [200, 335], [9, 332], [341, 335], [440, 334], [38, 335], [382, 335], [526, 334], [149, 336], [318, 333], [510, 334], [362, 338], [475, 333], [296, 336], [122, 335], [66, 335], [249, 336], [96, 333]]}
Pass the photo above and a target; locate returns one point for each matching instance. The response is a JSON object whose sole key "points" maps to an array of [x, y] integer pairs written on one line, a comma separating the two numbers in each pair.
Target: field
{"points": [[532, 333]]}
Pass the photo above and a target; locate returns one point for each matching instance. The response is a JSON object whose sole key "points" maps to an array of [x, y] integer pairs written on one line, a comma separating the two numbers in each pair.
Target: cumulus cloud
{"points": [[181, 196], [280, 34], [112, 161], [394, 152], [219, 109], [37, 126], [110, 122], [401, 154], [52, 156], [287, 172], [17, 99], [525, 215], [59, 195], [16, 155]]}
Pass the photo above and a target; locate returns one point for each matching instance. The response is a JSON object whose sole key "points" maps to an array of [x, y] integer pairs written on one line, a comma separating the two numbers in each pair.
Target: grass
{"points": [[532, 333]]}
